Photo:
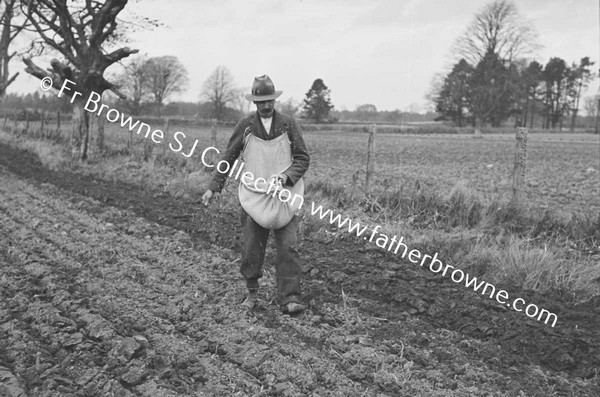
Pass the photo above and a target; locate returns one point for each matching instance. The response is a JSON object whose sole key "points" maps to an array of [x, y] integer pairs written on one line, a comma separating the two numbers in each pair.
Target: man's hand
{"points": [[283, 178], [207, 197]]}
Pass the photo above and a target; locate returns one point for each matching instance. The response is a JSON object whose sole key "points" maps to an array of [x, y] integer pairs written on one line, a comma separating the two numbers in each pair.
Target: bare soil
{"points": [[111, 289]]}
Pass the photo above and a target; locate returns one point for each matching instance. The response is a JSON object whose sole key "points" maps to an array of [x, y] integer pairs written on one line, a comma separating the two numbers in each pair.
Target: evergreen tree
{"points": [[492, 89], [317, 103], [531, 78], [581, 75], [454, 96], [555, 76]]}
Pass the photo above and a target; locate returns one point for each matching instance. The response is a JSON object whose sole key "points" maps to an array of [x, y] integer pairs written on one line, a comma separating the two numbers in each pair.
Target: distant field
{"points": [[562, 174], [563, 170]]}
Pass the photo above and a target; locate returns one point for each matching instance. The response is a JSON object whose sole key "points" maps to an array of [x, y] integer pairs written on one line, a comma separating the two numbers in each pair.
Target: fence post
{"points": [[370, 156], [130, 143], [213, 141], [167, 127], [42, 124], [27, 121], [520, 161], [100, 128], [148, 147]]}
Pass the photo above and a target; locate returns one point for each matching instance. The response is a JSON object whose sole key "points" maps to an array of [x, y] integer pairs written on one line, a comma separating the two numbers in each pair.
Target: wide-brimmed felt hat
{"points": [[263, 89]]}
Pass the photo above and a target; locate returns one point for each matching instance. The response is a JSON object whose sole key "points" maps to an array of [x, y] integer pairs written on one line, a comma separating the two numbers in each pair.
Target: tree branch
{"points": [[52, 27], [119, 54], [8, 82], [107, 13]]}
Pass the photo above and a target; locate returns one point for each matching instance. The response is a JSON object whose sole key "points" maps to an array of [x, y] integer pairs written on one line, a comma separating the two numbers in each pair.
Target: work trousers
{"points": [[288, 259]]}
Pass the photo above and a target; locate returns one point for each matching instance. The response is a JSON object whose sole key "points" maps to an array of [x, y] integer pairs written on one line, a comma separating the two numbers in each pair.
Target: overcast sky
{"points": [[383, 52]]}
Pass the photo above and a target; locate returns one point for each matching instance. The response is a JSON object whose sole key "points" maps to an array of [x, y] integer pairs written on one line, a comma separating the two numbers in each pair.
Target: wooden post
{"points": [[148, 146], [130, 143], [100, 128], [58, 120], [167, 127], [370, 156], [213, 141], [42, 124], [520, 161], [597, 128], [27, 120]]}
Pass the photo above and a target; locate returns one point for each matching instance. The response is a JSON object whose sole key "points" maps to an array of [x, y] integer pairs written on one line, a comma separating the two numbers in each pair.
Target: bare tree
{"points": [[290, 107], [498, 29], [9, 30], [133, 82], [219, 90], [591, 105], [81, 32], [592, 109], [435, 87], [240, 103], [166, 76], [581, 76]]}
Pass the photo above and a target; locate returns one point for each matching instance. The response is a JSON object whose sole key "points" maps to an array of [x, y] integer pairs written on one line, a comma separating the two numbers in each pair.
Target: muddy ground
{"points": [[110, 289]]}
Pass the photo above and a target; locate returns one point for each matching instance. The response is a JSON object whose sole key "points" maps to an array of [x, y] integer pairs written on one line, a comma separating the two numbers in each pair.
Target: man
{"points": [[273, 149]]}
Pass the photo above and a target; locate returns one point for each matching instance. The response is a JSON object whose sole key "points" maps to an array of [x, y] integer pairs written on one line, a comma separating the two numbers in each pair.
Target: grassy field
{"points": [[559, 175], [563, 170]]}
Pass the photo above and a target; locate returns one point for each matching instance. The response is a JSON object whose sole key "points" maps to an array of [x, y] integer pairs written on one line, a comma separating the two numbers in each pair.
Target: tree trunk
{"points": [[213, 140], [5, 39], [573, 118], [576, 107], [543, 114], [532, 113], [596, 129], [80, 133], [100, 136], [561, 122]]}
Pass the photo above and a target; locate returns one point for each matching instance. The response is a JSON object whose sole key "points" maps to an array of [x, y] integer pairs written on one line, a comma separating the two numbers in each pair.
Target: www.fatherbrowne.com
{"points": [[396, 245]]}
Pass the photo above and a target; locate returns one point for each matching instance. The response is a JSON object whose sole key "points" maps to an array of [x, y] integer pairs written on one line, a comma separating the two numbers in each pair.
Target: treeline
{"points": [[370, 114], [47, 102], [198, 110], [16, 105], [494, 90]]}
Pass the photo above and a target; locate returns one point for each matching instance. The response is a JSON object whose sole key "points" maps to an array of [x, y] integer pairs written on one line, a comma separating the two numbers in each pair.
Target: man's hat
{"points": [[263, 89]]}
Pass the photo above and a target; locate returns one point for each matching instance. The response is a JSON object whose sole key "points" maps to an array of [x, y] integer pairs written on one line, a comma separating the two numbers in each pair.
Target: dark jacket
{"points": [[281, 124]]}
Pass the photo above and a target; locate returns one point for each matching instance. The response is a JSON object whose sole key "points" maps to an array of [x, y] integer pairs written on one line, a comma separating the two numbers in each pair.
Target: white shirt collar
{"points": [[267, 123]]}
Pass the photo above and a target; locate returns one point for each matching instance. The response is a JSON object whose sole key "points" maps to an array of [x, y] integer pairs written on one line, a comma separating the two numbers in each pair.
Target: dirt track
{"points": [[109, 288]]}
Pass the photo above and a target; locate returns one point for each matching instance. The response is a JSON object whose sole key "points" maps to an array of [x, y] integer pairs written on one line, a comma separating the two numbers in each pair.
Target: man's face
{"points": [[265, 108]]}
